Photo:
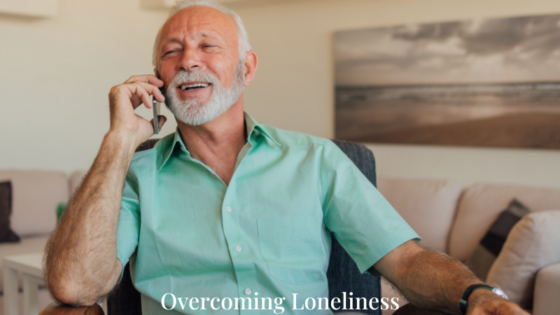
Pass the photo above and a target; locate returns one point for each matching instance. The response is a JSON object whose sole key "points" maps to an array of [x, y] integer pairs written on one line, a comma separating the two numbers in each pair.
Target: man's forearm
{"points": [[439, 287], [428, 279], [81, 263], [435, 281]]}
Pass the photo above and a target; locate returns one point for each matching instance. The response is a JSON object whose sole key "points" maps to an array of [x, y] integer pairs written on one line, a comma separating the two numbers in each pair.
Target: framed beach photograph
{"points": [[488, 83]]}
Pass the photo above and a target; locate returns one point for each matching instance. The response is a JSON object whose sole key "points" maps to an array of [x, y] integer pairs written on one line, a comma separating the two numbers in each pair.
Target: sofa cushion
{"points": [[6, 233], [25, 246], [547, 291], [531, 245], [427, 205], [480, 206], [36, 195]]}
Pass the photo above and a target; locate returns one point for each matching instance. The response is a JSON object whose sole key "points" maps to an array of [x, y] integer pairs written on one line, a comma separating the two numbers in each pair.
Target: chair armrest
{"points": [[547, 291], [57, 309]]}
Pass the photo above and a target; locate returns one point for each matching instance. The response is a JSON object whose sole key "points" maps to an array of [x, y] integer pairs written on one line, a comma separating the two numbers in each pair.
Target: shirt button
{"points": [[228, 209], [237, 248], [248, 291]]}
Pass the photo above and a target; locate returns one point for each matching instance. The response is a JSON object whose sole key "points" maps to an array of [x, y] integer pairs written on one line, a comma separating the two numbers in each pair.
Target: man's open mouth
{"points": [[193, 86]]}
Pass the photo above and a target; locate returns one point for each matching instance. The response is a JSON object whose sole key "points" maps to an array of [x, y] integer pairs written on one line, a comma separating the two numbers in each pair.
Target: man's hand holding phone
{"points": [[126, 97], [85, 237]]}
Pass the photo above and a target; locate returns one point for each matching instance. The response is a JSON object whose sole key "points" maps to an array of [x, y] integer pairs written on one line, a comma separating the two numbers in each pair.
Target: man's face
{"points": [[199, 62]]}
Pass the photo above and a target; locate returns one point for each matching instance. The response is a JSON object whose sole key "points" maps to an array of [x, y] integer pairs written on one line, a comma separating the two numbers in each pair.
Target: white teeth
{"points": [[188, 86]]}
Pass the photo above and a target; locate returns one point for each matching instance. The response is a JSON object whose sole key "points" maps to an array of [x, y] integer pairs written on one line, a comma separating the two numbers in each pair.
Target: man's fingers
{"points": [[479, 311], [139, 92], [497, 307], [161, 121], [136, 100], [152, 90], [147, 78]]}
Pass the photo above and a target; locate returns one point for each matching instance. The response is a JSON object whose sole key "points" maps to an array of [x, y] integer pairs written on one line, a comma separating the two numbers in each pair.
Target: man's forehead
{"points": [[199, 21]]}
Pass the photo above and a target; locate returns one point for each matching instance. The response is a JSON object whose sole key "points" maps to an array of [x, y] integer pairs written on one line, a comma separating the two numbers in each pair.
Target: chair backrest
{"points": [[343, 274]]}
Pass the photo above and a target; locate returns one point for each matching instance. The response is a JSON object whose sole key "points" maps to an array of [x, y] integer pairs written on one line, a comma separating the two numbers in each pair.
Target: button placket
{"points": [[240, 250]]}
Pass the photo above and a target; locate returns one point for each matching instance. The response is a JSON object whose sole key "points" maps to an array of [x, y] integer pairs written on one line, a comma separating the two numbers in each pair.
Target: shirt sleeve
{"points": [[361, 219], [128, 227]]}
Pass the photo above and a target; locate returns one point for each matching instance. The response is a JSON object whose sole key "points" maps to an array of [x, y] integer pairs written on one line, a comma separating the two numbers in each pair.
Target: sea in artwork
{"points": [[521, 114]]}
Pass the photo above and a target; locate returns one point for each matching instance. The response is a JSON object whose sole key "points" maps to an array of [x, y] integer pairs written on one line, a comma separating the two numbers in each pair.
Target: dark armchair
{"points": [[343, 274]]}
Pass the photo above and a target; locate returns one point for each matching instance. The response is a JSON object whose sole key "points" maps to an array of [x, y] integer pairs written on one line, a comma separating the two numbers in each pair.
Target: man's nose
{"points": [[190, 60]]}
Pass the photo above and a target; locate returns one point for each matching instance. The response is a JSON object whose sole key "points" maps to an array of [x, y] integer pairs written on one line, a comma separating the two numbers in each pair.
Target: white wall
{"points": [[55, 75]]}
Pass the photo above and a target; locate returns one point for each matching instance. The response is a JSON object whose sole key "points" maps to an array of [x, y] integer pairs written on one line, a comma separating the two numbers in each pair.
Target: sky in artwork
{"points": [[521, 49]]}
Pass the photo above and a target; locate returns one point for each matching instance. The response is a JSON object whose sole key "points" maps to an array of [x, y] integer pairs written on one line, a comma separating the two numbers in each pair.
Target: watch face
{"points": [[499, 292]]}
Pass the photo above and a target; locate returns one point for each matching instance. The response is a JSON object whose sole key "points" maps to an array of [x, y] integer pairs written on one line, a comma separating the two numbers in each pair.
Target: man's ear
{"points": [[250, 67]]}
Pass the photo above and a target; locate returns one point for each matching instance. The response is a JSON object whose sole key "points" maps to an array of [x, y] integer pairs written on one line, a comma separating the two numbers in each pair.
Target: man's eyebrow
{"points": [[172, 40], [203, 35], [209, 35]]}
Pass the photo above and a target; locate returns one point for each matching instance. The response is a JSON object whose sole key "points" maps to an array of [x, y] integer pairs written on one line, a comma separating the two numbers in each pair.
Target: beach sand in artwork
{"points": [[524, 129]]}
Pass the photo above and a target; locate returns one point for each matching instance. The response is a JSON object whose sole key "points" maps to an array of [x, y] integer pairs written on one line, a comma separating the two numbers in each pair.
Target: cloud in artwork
{"points": [[492, 50]]}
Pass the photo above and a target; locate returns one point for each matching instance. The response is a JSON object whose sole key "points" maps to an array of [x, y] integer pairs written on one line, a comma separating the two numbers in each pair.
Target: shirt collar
{"points": [[252, 124], [170, 142]]}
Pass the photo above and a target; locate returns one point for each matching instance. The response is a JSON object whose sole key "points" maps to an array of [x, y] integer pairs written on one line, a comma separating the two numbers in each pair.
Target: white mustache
{"points": [[190, 76]]}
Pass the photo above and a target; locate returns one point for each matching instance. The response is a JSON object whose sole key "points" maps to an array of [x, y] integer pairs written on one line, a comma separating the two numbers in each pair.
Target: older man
{"points": [[227, 208]]}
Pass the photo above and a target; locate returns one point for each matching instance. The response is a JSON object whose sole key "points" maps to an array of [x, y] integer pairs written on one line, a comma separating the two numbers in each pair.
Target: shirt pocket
{"points": [[293, 248]]}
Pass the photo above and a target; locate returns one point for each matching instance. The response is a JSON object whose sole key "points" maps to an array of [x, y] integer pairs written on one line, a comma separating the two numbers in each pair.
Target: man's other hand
{"points": [[484, 302], [434, 281], [126, 97]]}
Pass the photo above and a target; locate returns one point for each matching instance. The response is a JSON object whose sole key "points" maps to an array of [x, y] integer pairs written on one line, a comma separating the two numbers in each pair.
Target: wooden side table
{"points": [[32, 271]]}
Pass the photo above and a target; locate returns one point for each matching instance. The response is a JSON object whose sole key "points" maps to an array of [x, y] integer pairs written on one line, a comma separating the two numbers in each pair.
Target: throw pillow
{"points": [[491, 244], [6, 233], [531, 246]]}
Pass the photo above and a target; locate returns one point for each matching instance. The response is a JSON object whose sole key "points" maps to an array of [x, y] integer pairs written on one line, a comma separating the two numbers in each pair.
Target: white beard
{"points": [[193, 112]]}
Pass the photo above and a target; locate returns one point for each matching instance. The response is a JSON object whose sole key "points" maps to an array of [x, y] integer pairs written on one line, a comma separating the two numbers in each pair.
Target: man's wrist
{"points": [[122, 138], [480, 293]]}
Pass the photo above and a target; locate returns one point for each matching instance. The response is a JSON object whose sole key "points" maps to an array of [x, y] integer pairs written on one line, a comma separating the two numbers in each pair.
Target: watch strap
{"points": [[464, 301]]}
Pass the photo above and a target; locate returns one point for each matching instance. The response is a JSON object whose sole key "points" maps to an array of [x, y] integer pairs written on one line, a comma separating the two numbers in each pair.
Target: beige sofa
{"points": [[35, 196], [447, 216], [452, 219]]}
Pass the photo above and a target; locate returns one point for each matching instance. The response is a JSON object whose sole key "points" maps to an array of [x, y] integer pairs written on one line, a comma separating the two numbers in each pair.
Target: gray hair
{"points": [[242, 37]]}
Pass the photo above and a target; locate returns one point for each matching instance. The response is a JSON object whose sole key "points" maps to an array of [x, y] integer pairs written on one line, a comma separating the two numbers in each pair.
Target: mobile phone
{"points": [[156, 109]]}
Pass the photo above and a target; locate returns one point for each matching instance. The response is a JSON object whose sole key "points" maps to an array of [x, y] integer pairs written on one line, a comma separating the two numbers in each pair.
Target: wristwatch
{"points": [[464, 301]]}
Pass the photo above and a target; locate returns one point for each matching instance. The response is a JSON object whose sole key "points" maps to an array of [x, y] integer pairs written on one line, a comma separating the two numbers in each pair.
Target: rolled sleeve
{"points": [[128, 227], [362, 220]]}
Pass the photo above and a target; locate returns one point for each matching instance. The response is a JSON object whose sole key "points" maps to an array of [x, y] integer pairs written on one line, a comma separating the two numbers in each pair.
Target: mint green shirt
{"points": [[266, 235]]}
